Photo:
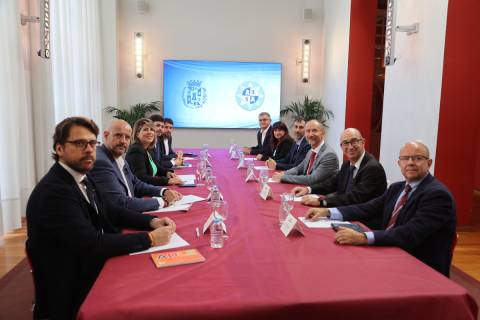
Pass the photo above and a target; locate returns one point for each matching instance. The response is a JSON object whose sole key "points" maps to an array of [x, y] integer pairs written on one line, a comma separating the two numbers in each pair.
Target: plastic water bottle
{"points": [[282, 214], [215, 194], [216, 234]]}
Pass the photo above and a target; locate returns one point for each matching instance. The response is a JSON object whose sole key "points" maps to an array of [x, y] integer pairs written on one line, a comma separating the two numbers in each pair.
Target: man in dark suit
{"points": [[320, 163], [113, 176], [297, 152], [361, 177], [73, 229], [264, 136], [163, 152], [418, 214]]}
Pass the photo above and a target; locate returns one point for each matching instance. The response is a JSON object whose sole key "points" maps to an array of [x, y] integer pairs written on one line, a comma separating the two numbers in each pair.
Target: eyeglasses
{"points": [[413, 158], [353, 142], [82, 144]]}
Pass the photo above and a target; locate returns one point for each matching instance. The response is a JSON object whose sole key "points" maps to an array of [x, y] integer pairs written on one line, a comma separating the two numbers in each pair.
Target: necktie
{"points": [[313, 155], [90, 191], [399, 206], [350, 178], [295, 150]]}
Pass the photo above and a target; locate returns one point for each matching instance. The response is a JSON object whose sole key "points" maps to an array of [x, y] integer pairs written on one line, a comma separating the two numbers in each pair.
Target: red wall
{"points": [[361, 66], [457, 161]]}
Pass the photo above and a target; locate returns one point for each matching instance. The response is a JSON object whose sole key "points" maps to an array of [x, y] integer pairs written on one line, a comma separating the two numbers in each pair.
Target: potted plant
{"points": [[308, 109], [135, 112]]}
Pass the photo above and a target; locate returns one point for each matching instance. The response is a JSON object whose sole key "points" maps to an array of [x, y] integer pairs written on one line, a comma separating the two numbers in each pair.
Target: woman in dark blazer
{"points": [[281, 143], [140, 156]]}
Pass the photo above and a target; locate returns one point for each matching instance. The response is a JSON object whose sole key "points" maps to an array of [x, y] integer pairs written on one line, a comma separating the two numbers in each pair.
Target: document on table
{"points": [[270, 180], [189, 158], [187, 199], [187, 178], [175, 242], [322, 223], [299, 199], [173, 207], [262, 168]]}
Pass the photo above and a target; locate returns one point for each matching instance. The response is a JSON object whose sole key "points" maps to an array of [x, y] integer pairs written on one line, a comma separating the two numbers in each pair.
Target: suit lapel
{"points": [[411, 200]]}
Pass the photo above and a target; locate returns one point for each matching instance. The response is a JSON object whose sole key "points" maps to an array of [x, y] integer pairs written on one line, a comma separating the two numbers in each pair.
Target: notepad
{"points": [[176, 258]]}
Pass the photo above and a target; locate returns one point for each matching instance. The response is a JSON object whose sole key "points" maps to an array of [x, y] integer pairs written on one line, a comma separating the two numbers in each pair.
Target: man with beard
{"points": [[163, 152], [73, 229], [297, 152], [114, 178]]}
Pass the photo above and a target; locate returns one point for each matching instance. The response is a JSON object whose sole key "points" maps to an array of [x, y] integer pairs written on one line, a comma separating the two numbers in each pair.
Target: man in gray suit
{"points": [[114, 179], [320, 163]]}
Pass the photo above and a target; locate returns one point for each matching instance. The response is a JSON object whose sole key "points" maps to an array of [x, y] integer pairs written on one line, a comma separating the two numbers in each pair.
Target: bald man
{"points": [[320, 163], [113, 176], [361, 177], [419, 214]]}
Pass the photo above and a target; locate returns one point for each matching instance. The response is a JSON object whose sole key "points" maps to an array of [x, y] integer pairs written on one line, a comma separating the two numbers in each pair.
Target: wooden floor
{"points": [[466, 255]]}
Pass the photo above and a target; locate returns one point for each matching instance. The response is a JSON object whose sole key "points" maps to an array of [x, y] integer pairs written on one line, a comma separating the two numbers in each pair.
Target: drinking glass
{"points": [[263, 176]]}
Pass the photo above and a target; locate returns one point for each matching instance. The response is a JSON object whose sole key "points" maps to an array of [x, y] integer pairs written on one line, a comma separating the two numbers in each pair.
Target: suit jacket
{"points": [[281, 150], [109, 180], [324, 166], [294, 157], [369, 182], [161, 155], [68, 241], [138, 161], [425, 226], [266, 146]]}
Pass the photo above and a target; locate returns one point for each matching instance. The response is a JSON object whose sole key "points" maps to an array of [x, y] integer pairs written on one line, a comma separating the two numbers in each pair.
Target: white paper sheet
{"points": [[270, 180], [299, 199], [189, 158], [175, 242], [262, 168], [322, 223], [189, 199], [187, 178], [173, 207]]}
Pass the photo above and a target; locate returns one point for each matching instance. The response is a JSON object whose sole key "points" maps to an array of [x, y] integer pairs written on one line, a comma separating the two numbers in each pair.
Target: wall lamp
{"points": [[306, 53], [44, 21], [390, 30], [139, 51]]}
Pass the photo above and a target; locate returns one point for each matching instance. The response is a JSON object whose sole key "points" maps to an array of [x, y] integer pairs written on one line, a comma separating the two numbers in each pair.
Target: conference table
{"points": [[262, 274]]}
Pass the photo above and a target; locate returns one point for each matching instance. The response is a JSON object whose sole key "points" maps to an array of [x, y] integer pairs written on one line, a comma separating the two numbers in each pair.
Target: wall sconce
{"points": [[139, 49], [390, 30], [306, 48], [44, 21]]}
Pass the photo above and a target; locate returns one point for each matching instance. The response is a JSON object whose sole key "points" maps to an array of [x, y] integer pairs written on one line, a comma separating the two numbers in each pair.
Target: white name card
{"points": [[266, 192], [209, 221], [290, 225], [250, 175]]}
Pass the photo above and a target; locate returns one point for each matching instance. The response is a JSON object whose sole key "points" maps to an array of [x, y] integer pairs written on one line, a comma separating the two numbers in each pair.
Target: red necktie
{"points": [[313, 155], [398, 207]]}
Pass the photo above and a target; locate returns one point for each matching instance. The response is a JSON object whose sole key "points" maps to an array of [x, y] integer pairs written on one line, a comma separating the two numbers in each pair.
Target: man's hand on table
{"points": [[271, 164], [315, 214], [277, 176], [171, 196], [349, 236]]}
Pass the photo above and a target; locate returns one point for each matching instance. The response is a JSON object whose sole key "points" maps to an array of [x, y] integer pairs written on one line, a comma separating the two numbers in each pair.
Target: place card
{"points": [[290, 225], [266, 192], [250, 175], [209, 221]]}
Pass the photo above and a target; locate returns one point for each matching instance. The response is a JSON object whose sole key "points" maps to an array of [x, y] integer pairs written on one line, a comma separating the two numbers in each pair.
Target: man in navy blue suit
{"points": [[418, 214], [264, 136], [297, 152], [114, 178]]}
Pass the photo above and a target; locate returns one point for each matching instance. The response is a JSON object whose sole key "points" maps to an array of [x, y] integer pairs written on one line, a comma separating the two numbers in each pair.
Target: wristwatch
{"points": [[323, 203]]}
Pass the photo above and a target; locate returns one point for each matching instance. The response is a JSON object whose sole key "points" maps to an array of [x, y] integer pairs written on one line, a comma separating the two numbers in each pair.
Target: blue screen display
{"points": [[218, 94]]}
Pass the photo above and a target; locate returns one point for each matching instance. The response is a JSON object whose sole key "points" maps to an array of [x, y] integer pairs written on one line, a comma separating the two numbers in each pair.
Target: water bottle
{"points": [[282, 213], [216, 234]]}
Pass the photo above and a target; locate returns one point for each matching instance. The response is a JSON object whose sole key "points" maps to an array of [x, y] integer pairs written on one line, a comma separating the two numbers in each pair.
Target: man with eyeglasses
{"points": [[418, 214], [361, 177], [73, 229], [264, 136], [113, 176], [164, 152]]}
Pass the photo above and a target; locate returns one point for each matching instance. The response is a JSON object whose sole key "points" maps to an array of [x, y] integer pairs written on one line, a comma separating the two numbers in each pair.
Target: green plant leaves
{"points": [[137, 111], [308, 109]]}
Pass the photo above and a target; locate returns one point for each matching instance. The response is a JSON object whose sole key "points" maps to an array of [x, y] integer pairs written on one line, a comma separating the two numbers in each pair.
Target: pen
{"points": [[198, 232]]}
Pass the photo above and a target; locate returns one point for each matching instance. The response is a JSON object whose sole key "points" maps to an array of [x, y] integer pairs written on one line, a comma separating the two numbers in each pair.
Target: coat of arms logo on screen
{"points": [[250, 95], [194, 95]]}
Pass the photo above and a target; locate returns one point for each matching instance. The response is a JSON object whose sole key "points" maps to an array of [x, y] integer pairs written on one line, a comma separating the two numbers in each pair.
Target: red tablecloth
{"points": [[261, 274]]}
